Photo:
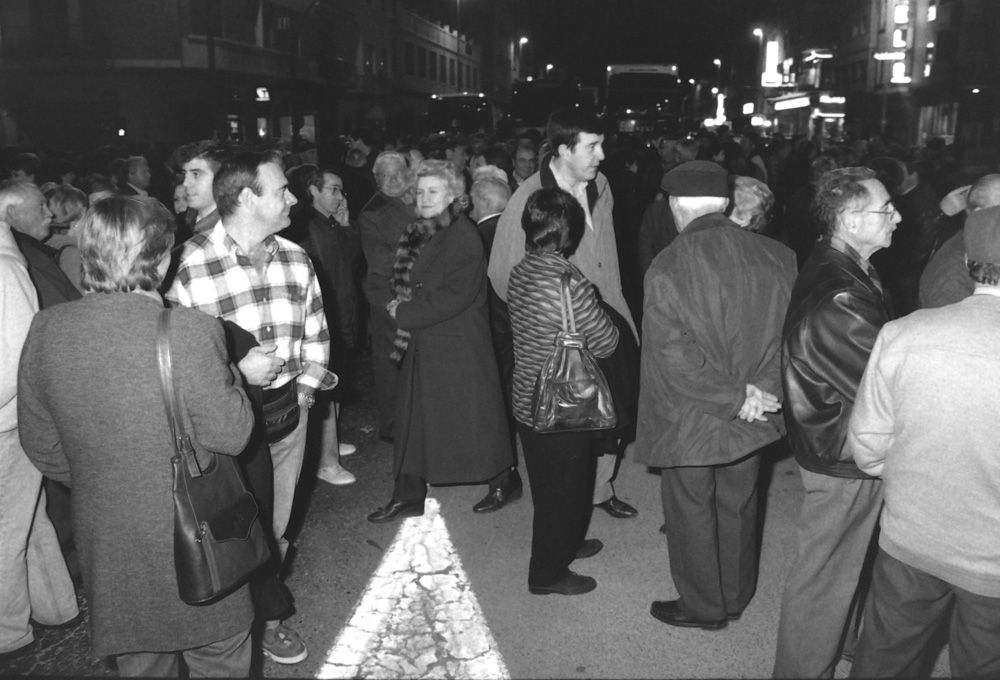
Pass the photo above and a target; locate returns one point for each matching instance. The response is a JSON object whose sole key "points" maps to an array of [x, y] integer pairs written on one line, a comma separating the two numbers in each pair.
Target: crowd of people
{"points": [[735, 291]]}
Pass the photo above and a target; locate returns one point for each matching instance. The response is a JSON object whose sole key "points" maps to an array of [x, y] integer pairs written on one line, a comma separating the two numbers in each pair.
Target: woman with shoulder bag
{"points": [[560, 465], [92, 415]]}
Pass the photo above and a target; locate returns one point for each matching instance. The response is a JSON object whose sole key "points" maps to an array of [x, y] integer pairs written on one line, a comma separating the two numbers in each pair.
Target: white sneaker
{"points": [[337, 476], [347, 449]]}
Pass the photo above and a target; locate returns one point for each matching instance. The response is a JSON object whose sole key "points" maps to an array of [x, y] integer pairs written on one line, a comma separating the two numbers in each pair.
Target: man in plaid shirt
{"points": [[240, 271]]}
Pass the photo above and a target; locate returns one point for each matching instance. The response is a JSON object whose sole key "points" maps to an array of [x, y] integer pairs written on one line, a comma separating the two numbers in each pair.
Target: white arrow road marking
{"points": [[418, 617]]}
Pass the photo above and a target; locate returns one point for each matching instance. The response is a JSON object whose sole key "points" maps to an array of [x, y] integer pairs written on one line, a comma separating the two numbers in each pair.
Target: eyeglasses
{"points": [[890, 210], [335, 190]]}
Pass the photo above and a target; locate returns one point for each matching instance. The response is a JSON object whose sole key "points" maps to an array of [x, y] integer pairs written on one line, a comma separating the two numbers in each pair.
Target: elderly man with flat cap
{"points": [[924, 421], [710, 385]]}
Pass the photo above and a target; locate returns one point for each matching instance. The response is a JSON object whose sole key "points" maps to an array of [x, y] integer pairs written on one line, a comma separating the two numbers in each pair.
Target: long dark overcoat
{"points": [[450, 421], [91, 415]]}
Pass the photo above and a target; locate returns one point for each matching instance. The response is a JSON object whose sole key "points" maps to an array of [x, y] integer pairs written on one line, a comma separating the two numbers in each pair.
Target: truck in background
{"points": [[532, 101], [644, 98]]}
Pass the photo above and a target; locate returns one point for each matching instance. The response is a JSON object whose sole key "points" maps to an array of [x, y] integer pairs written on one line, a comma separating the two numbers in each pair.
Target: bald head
{"points": [[23, 207], [985, 193]]}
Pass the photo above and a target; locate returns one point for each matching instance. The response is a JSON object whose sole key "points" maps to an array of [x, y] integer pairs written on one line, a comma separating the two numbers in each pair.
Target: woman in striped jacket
{"points": [[560, 465]]}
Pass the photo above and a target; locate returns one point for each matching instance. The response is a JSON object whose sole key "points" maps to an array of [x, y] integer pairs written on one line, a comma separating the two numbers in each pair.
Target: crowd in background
{"points": [[349, 205]]}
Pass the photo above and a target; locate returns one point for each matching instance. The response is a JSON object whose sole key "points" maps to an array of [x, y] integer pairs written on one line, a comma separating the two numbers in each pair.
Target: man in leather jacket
{"points": [[837, 309]]}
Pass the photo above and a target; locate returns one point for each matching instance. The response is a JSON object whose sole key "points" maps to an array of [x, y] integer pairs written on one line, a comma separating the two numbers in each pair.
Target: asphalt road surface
{"points": [[445, 595]]}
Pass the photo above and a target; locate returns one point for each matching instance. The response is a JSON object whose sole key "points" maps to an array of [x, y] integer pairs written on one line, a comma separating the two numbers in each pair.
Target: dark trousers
{"points": [[711, 522], [561, 474], [905, 609], [384, 370]]}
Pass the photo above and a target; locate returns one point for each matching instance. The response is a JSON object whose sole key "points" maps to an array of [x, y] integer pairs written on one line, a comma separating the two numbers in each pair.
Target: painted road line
{"points": [[418, 616]]}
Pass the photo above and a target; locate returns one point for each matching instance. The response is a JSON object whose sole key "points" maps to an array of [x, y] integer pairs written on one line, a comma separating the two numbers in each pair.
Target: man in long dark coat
{"points": [[714, 302]]}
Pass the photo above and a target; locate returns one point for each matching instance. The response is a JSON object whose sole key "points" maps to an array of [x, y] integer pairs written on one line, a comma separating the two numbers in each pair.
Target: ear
{"points": [[247, 196], [313, 191]]}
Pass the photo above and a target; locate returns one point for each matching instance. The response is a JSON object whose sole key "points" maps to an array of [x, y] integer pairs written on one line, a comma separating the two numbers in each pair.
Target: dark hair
{"points": [[26, 162], [123, 240], [553, 222], [565, 126], [890, 172], [835, 190], [986, 273], [212, 152], [237, 173]]}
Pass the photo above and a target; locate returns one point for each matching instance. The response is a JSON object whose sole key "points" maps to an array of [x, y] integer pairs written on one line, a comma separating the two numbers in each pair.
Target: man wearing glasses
{"points": [[837, 309], [334, 245]]}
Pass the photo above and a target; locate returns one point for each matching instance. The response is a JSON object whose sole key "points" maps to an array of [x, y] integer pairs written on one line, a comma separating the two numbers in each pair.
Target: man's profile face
{"points": [[873, 219], [583, 159], [32, 216], [271, 207], [140, 176], [198, 176]]}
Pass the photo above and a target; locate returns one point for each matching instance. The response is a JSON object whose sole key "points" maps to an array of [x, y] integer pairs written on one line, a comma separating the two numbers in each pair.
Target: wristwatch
{"points": [[309, 399]]}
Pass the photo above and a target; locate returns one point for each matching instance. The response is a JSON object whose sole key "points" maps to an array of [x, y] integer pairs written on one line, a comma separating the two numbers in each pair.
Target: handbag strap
{"points": [[182, 442], [566, 308]]}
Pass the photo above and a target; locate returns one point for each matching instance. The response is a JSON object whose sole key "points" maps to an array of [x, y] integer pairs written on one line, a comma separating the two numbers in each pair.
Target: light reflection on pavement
{"points": [[418, 616]]}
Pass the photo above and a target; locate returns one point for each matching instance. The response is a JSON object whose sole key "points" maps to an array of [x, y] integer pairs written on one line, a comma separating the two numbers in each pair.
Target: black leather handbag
{"points": [[571, 393], [218, 539]]}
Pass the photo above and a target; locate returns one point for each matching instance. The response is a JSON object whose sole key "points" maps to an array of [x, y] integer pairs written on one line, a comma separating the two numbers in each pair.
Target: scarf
{"points": [[416, 235]]}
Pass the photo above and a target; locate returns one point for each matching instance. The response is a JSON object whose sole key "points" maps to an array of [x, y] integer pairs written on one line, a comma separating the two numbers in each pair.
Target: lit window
{"points": [[899, 72], [899, 38], [932, 11], [902, 13]]}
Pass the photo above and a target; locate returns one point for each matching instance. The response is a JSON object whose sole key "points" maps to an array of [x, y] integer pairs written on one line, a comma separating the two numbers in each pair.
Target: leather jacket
{"points": [[835, 314]]}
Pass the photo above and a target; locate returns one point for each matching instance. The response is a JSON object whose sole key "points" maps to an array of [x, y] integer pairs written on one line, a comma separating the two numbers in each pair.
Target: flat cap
{"points": [[696, 178], [982, 235]]}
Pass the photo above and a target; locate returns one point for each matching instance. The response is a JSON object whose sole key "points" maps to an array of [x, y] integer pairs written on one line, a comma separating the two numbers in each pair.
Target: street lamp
{"points": [[759, 33], [718, 70], [520, 55]]}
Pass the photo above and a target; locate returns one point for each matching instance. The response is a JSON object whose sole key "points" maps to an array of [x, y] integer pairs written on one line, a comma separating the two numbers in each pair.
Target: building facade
{"points": [[76, 74], [906, 70]]}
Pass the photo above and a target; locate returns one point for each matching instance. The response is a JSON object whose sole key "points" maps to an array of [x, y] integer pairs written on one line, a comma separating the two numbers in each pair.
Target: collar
{"points": [[140, 192], [986, 290], [548, 179], [483, 219], [321, 213], [843, 246], [221, 237]]}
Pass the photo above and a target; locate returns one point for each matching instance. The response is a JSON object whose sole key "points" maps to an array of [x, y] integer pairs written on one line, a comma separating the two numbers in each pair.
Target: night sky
{"points": [[586, 35]]}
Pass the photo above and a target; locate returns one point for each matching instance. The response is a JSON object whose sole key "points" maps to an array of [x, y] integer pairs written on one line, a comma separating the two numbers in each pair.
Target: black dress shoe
{"points": [[589, 548], [395, 509], [571, 584], [616, 507], [499, 496], [669, 611]]}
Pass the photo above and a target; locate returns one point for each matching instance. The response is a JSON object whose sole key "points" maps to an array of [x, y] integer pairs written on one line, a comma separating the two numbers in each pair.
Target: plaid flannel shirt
{"points": [[283, 306]]}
